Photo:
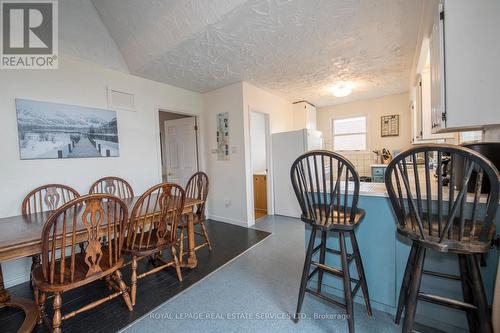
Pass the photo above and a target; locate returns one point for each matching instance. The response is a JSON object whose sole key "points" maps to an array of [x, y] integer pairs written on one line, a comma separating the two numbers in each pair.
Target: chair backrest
{"points": [[94, 215], [113, 185], [155, 217], [47, 197], [422, 203], [197, 188], [327, 187]]}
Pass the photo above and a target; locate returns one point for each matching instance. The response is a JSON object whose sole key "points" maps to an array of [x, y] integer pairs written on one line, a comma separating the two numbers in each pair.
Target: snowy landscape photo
{"points": [[52, 130]]}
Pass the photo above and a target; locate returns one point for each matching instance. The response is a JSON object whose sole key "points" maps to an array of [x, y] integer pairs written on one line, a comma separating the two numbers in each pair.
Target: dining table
{"points": [[20, 237]]}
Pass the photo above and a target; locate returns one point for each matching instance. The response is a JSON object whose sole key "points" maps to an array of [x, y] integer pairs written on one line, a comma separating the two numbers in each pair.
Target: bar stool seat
{"points": [[330, 209], [338, 218], [452, 244]]}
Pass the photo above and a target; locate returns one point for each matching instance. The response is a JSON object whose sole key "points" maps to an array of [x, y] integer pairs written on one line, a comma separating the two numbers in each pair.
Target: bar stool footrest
{"points": [[326, 298], [453, 303]]}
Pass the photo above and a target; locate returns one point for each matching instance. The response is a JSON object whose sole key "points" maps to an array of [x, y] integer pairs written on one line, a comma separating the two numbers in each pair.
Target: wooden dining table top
{"points": [[20, 235]]}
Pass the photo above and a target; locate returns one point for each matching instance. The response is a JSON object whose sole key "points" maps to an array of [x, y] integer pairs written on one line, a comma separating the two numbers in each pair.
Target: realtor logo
{"points": [[29, 34]]}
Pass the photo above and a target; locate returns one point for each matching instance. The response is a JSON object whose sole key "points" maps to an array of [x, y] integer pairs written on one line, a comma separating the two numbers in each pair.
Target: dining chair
{"points": [[152, 229], [113, 185], [46, 198], [329, 203], [64, 268], [196, 188], [445, 219]]}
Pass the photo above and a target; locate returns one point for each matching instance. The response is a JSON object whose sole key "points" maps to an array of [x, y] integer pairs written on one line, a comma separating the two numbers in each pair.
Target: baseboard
{"points": [[227, 220]]}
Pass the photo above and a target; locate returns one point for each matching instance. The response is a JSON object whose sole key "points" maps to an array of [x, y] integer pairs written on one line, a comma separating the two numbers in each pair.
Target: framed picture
{"points": [[223, 136], [390, 125], [52, 130]]}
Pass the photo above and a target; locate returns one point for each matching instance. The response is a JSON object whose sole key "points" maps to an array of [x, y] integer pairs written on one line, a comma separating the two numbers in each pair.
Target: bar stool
{"points": [[444, 220], [322, 181]]}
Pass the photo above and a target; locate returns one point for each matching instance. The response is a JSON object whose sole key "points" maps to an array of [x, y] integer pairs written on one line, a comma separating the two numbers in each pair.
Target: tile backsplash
{"points": [[362, 161]]}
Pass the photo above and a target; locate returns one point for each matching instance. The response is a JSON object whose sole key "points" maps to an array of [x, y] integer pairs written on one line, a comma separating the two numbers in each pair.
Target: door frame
{"points": [[269, 175], [199, 135]]}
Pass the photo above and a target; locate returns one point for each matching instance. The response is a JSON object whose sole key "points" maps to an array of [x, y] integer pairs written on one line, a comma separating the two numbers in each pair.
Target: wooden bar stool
{"points": [[444, 220], [328, 201]]}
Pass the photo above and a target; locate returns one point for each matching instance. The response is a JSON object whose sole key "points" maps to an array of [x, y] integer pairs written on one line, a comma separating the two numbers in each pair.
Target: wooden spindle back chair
{"points": [[113, 185], [439, 214], [196, 188], [327, 188], [152, 228], [64, 267], [47, 197]]}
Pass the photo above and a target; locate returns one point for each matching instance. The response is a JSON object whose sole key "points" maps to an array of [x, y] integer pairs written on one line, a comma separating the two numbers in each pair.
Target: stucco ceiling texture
{"points": [[294, 49]]}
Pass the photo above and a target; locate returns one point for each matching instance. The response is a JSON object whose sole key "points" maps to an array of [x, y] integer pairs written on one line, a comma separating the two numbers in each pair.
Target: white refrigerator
{"points": [[286, 147]]}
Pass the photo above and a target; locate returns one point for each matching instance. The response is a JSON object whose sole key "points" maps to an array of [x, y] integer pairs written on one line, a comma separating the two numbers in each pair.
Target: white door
{"points": [[180, 148]]}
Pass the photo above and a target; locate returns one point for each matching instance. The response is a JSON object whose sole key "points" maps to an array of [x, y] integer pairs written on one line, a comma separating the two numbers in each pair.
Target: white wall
{"points": [[227, 196], [232, 180], [81, 83], [258, 141], [373, 109], [280, 120]]}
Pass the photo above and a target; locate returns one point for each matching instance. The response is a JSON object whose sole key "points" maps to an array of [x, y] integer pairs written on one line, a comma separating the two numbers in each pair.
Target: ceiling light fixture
{"points": [[341, 89]]}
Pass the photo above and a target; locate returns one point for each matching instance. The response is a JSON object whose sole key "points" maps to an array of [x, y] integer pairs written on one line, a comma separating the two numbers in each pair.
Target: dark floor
{"points": [[228, 242]]}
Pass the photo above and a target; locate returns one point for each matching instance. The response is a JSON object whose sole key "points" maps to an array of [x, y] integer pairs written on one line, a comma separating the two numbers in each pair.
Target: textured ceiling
{"points": [[294, 49]]}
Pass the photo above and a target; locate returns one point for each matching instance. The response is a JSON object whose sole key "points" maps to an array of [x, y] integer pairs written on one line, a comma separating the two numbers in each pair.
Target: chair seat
{"points": [[80, 276], [197, 219], [468, 244], [153, 246], [335, 220]]}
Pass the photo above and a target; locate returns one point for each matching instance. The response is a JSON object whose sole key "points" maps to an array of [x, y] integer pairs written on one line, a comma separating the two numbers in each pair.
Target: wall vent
{"points": [[121, 100]]}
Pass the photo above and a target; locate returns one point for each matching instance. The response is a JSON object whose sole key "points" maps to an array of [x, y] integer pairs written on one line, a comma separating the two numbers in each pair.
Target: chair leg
{"points": [[40, 303], [322, 252], [347, 282], [176, 264], [403, 293], [305, 273], [361, 272], [56, 320], [123, 289], [485, 325], [205, 234], [35, 261], [181, 245], [133, 280], [411, 300], [467, 291]]}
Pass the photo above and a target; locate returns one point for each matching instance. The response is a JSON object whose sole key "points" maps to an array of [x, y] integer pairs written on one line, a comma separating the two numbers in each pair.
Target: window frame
{"points": [[460, 141], [365, 133]]}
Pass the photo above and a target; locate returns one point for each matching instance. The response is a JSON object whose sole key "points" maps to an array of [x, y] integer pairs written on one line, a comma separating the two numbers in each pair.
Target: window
{"points": [[471, 136], [349, 133]]}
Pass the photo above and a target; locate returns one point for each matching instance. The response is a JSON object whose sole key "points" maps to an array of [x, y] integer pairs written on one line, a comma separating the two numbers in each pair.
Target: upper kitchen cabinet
{"points": [[304, 115], [464, 69]]}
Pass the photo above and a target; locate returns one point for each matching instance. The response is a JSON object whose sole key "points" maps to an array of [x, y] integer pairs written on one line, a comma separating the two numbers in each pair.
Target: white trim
{"points": [[158, 109], [228, 220]]}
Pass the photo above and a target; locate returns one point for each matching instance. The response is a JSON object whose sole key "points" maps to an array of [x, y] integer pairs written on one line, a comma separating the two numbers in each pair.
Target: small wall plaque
{"points": [[390, 125]]}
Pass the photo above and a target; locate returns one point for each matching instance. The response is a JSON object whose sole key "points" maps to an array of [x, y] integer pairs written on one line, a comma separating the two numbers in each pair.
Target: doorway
{"points": [[259, 153], [178, 146]]}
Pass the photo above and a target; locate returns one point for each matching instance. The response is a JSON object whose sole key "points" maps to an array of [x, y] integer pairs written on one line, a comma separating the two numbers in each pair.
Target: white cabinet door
{"points": [[437, 74], [465, 53]]}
